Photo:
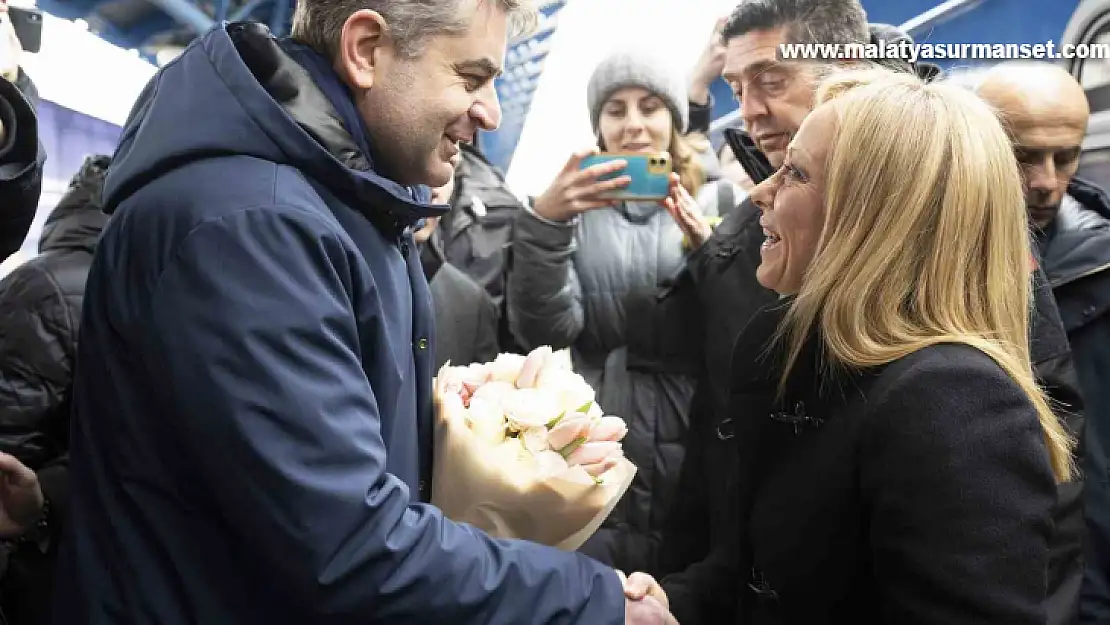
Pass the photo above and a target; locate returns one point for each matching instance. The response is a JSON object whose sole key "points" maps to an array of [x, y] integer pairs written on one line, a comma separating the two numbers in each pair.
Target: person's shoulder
{"points": [[208, 194], [947, 382], [951, 363]]}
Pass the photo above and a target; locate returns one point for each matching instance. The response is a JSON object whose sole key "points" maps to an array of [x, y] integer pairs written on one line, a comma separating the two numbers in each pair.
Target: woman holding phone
{"points": [[587, 273]]}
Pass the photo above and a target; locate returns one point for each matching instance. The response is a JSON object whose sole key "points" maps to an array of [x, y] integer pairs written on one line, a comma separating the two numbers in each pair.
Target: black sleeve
{"points": [[701, 116], [959, 491], [37, 339], [21, 161], [705, 592]]}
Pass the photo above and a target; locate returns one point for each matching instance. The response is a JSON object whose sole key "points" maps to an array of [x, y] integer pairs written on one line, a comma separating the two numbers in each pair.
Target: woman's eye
{"points": [[793, 173]]}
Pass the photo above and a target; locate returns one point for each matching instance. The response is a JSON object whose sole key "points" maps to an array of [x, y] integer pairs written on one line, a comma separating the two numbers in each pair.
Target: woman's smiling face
{"points": [[793, 205]]}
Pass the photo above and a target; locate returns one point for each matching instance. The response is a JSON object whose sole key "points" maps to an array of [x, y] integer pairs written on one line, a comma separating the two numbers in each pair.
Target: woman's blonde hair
{"points": [[925, 236], [685, 161]]}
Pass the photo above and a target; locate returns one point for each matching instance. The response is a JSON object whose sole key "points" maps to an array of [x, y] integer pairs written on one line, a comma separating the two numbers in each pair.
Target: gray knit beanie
{"points": [[638, 68]]}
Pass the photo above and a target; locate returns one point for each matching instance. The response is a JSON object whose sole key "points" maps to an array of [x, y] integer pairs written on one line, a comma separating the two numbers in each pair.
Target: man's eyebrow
{"points": [[751, 68], [484, 66]]}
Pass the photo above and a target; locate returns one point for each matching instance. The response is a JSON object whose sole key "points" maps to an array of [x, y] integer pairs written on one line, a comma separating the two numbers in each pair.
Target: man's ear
{"points": [[364, 42]]}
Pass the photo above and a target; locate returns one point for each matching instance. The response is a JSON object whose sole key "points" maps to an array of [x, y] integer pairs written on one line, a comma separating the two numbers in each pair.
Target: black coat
{"points": [[40, 313], [919, 492], [466, 317], [723, 273], [21, 160], [1076, 259]]}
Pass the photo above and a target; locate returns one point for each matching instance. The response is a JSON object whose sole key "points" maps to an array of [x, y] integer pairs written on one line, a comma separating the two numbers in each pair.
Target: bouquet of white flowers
{"points": [[524, 451]]}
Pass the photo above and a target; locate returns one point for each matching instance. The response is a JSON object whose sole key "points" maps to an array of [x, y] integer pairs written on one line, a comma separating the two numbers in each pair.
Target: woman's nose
{"points": [[763, 194]]}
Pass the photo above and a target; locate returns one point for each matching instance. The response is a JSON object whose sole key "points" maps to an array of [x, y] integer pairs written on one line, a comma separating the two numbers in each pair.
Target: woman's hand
{"points": [[687, 214], [576, 191], [640, 585]]}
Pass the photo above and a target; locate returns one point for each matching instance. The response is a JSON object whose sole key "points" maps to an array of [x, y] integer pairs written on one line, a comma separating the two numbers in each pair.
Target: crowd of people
{"points": [[859, 347]]}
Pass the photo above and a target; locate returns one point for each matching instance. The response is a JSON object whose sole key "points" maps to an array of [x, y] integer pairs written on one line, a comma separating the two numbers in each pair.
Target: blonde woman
{"points": [[906, 464]]}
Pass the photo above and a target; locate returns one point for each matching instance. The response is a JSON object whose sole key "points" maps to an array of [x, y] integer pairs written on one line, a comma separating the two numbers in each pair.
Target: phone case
{"points": [[27, 23], [650, 174]]}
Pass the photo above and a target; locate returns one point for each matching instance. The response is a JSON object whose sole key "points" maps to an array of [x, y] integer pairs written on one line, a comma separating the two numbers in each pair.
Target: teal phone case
{"points": [[650, 175]]}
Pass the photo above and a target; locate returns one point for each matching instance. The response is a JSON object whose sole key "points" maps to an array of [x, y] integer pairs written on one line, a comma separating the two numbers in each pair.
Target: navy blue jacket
{"points": [[252, 409]]}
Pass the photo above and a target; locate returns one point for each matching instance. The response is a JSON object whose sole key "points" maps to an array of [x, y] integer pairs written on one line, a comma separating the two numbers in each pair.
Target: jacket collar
{"points": [[1079, 243]]}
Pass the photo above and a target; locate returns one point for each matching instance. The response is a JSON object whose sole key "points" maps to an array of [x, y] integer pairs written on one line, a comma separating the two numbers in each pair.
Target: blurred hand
{"points": [[10, 48], [21, 498], [641, 585], [709, 66], [647, 611], [687, 214], [576, 191]]}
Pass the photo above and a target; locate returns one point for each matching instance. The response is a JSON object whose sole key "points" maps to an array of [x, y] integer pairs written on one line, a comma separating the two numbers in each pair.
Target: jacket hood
{"points": [[1081, 243], [237, 92], [76, 221]]}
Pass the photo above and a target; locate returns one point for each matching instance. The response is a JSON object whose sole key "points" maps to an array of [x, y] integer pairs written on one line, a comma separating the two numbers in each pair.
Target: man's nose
{"points": [[1041, 176], [486, 111], [752, 106]]}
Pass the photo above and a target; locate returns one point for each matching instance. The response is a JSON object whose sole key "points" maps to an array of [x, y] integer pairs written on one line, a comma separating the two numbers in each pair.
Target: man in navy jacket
{"points": [[252, 403]]}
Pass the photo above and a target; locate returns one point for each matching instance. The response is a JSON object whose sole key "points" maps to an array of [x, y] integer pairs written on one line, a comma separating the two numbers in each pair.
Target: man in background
{"points": [[1046, 112]]}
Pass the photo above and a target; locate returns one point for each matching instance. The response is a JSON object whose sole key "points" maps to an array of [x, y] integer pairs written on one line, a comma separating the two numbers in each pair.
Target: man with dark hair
{"points": [[252, 403], [775, 95]]}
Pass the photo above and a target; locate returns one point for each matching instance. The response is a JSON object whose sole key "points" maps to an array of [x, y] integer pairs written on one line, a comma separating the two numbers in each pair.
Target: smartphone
{"points": [[650, 174], [27, 23]]}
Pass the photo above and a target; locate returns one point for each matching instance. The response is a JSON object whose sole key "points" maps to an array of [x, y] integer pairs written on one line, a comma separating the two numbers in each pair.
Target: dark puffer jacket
{"points": [[596, 287], [1076, 259], [40, 311]]}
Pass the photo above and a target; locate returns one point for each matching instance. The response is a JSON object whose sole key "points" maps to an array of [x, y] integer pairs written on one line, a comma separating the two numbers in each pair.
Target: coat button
{"points": [[1089, 311], [422, 343], [726, 429]]}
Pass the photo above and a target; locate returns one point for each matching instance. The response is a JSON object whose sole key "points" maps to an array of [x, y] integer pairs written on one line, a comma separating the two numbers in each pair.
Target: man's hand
{"points": [[647, 611], [21, 498], [709, 66], [639, 586]]}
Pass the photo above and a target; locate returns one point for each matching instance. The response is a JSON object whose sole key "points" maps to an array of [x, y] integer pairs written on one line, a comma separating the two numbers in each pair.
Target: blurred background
{"points": [[96, 55]]}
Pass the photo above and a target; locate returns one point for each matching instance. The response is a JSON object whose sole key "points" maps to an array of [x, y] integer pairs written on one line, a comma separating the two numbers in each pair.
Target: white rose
{"points": [[506, 368], [571, 388], [535, 439], [531, 407], [486, 420], [495, 392], [533, 364]]}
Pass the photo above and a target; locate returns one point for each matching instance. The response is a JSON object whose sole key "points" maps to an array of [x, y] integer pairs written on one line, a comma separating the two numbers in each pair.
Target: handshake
{"points": [[645, 601]]}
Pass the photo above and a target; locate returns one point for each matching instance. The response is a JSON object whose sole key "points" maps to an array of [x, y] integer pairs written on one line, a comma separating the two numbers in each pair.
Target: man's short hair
{"points": [[318, 23], [806, 21]]}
